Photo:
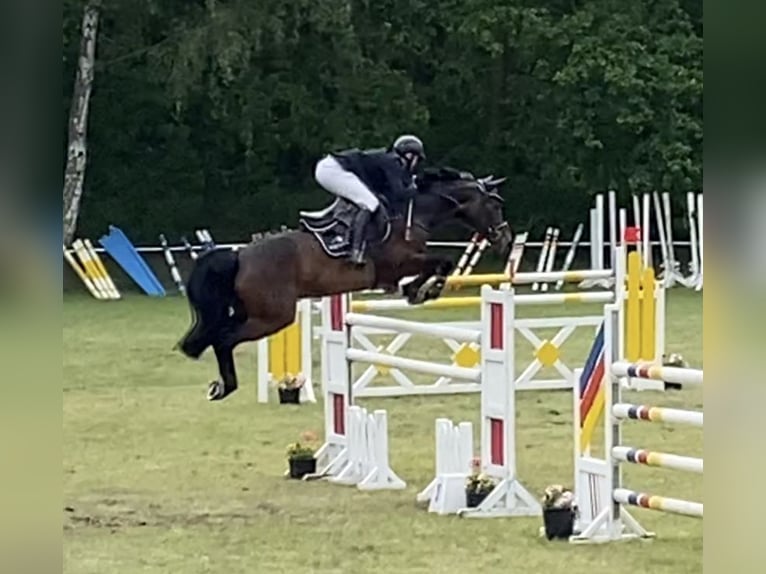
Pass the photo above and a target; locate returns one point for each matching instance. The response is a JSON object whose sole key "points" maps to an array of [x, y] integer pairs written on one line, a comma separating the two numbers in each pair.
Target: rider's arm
{"points": [[400, 182]]}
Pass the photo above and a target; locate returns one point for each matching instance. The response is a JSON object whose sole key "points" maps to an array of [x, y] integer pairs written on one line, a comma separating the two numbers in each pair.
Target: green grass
{"points": [[158, 480]]}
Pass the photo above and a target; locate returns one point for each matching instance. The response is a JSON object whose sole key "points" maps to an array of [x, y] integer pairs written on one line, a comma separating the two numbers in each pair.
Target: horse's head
{"points": [[475, 203]]}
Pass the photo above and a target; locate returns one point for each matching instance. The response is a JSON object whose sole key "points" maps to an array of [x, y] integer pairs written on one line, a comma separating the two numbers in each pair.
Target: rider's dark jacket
{"points": [[381, 171]]}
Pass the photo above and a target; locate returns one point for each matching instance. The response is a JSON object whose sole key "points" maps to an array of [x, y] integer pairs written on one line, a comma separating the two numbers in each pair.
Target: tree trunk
{"points": [[74, 175]]}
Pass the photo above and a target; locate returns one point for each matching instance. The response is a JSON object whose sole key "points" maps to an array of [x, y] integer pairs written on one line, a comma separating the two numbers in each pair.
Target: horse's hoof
{"points": [[414, 298], [431, 289], [218, 390], [215, 391], [437, 289]]}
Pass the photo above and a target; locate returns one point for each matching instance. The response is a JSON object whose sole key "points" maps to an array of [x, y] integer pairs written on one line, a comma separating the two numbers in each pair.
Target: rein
{"points": [[414, 221]]}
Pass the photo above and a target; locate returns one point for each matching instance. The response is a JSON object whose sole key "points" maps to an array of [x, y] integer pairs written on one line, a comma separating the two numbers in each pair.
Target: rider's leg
{"points": [[361, 220], [330, 175]]}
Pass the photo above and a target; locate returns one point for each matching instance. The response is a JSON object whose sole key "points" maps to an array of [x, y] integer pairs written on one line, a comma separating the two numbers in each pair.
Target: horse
{"points": [[251, 293]]}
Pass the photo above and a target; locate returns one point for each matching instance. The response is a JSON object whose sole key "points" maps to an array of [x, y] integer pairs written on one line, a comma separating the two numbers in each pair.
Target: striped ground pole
{"points": [[657, 372], [659, 459], [657, 414], [643, 500]]}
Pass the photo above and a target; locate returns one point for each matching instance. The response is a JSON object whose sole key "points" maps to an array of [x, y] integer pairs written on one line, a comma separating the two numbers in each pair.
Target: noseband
{"points": [[494, 233]]}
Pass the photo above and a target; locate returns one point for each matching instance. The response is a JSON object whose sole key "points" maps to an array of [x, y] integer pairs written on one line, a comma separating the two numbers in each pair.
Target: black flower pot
{"points": [[474, 499], [289, 396], [558, 522], [299, 467]]}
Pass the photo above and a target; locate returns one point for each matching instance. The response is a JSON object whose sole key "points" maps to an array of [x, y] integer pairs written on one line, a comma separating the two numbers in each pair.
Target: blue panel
{"points": [[122, 251]]}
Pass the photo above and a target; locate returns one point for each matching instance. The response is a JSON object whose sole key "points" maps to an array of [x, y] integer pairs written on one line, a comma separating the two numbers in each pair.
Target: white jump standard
{"points": [[497, 427], [454, 461], [366, 464], [355, 450], [495, 375]]}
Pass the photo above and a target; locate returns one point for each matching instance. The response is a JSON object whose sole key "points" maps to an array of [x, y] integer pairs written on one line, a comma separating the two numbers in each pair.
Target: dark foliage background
{"points": [[213, 113]]}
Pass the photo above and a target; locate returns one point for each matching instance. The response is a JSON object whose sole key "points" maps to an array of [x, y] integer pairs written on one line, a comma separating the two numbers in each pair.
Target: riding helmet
{"points": [[409, 144]]}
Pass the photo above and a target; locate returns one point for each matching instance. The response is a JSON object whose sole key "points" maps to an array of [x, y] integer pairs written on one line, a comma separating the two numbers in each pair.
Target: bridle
{"points": [[485, 187], [495, 233]]}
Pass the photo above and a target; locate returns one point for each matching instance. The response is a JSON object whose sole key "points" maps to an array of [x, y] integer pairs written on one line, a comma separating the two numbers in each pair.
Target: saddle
{"points": [[331, 227]]}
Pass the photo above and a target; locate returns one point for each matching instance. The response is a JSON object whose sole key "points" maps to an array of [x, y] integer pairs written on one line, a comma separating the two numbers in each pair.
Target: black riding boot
{"points": [[361, 220]]}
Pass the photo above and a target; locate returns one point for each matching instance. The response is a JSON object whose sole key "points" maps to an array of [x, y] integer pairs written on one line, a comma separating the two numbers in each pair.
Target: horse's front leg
{"points": [[430, 281]]}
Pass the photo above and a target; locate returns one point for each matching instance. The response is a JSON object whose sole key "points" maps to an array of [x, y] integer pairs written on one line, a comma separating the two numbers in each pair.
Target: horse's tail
{"points": [[210, 290]]}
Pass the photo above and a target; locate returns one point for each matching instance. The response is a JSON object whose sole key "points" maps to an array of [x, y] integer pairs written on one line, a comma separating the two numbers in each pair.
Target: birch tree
{"points": [[74, 175]]}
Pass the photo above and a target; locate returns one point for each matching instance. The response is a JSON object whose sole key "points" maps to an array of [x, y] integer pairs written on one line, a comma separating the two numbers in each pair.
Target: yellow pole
{"points": [[104, 274], [292, 350], [633, 309], [277, 366], [648, 319], [82, 275]]}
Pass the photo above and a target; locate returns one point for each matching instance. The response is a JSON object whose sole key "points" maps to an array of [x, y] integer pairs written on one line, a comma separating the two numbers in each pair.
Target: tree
{"points": [[74, 173]]}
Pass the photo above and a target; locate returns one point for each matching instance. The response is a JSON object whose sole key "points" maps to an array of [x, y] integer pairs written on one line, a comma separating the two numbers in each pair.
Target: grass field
{"points": [[158, 480]]}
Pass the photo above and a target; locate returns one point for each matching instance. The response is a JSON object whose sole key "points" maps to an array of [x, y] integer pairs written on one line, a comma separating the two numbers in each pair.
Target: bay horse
{"points": [[249, 294]]}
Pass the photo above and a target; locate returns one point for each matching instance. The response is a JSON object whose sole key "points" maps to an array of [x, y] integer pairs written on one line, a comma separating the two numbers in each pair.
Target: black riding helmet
{"points": [[409, 147]]}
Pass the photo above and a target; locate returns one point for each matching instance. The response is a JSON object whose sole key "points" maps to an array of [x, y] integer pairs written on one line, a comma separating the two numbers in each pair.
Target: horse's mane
{"points": [[432, 175]]}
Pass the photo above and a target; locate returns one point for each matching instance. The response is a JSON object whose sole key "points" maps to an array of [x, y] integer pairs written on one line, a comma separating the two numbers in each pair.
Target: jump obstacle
{"points": [[494, 376], [446, 493], [350, 456], [601, 496], [644, 335]]}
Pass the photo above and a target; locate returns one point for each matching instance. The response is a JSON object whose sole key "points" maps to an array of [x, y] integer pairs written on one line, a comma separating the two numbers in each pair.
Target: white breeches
{"points": [[331, 176]]}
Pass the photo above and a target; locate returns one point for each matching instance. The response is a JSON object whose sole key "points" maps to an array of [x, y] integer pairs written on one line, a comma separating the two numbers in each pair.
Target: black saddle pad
{"points": [[332, 227]]}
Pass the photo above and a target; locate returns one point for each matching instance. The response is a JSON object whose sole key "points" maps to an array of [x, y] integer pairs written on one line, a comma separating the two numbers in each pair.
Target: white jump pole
{"points": [[597, 244], [551, 258], [637, 222], [667, 269], [543, 254], [600, 231], [673, 269], [570, 254], [612, 227], [623, 225], [645, 231], [694, 260], [701, 233], [593, 237]]}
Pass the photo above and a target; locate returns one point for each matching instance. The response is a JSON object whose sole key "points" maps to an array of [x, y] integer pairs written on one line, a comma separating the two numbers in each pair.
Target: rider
{"points": [[358, 176]]}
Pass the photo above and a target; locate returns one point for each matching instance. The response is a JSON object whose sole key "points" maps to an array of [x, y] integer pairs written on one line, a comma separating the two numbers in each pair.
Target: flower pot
{"points": [[558, 522], [299, 467], [474, 499], [289, 396]]}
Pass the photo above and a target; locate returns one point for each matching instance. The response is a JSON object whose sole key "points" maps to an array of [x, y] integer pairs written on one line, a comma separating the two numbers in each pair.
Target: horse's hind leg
{"points": [[252, 329], [218, 390]]}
